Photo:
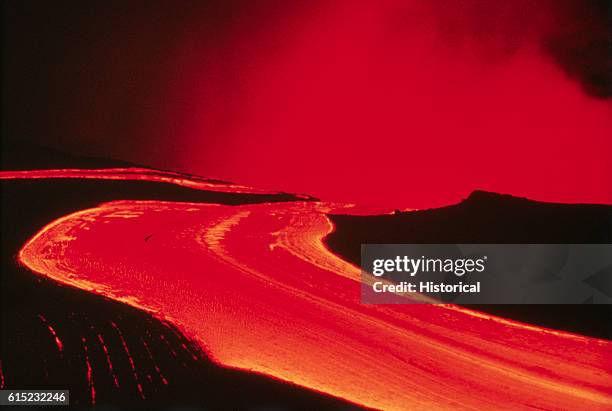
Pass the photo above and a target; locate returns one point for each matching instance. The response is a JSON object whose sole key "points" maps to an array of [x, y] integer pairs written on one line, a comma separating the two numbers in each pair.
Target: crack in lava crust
{"points": [[256, 287]]}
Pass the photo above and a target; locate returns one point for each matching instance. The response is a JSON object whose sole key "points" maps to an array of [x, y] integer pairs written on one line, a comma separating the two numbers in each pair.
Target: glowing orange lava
{"points": [[58, 342], [136, 174], [256, 287]]}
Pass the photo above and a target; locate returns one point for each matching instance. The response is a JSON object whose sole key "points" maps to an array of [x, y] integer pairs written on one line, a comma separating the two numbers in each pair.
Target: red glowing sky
{"points": [[397, 103]]}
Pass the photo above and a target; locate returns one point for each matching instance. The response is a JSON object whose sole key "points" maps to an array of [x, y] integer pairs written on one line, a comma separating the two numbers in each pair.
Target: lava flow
{"points": [[135, 174], [257, 288]]}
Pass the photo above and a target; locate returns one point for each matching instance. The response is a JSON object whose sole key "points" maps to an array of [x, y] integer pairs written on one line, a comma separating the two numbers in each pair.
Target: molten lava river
{"points": [[257, 288]]}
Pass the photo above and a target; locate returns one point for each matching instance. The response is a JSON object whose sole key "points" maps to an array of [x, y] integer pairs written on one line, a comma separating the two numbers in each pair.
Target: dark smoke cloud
{"points": [[583, 45], [575, 34]]}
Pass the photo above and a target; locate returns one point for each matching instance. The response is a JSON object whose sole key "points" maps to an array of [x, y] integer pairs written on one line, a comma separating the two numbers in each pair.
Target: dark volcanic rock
{"points": [[490, 218]]}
